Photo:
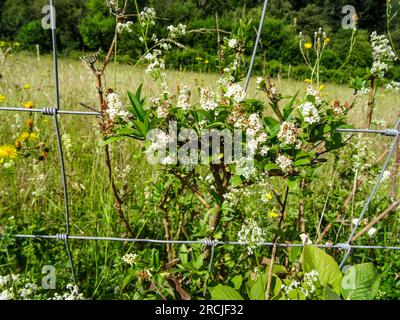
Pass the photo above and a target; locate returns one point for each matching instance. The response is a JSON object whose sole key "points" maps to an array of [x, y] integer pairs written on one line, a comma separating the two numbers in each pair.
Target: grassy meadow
{"points": [[31, 192]]}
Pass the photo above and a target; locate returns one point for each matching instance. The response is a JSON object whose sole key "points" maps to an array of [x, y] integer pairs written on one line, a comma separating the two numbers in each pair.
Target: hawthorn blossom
{"points": [[207, 101], [236, 93], [310, 113], [288, 133], [284, 163]]}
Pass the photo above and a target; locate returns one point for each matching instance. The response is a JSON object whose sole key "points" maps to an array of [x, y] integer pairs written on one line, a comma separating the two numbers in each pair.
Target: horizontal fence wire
{"points": [[55, 112], [51, 111], [206, 242]]}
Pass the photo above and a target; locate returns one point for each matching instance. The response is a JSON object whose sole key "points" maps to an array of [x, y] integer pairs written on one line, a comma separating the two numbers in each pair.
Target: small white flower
{"points": [[371, 232], [236, 93], [130, 259], [207, 101], [264, 150], [288, 133], [232, 43], [310, 113], [305, 238], [116, 109], [284, 163], [251, 234]]}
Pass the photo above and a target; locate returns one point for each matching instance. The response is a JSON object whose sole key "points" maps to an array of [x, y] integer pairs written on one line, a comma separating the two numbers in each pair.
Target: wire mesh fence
{"points": [[56, 111]]}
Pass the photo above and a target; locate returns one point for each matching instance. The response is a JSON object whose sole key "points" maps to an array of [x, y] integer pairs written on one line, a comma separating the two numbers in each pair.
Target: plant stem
{"points": [[274, 248]]}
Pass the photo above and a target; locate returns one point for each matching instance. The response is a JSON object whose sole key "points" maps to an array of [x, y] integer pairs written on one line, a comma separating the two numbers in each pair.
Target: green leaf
{"points": [[301, 162], [273, 126], [236, 181], [127, 280], [271, 166], [296, 294], [257, 291], [237, 281], [110, 140], [288, 108], [225, 293], [361, 282], [329, 294], [137, 106], [328, 270]]}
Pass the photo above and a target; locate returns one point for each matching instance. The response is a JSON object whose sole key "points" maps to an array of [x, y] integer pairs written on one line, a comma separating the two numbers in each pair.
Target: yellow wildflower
{"points": [[267, 197], [307, 80], [33, 136], [27, 86], [24, 136], [18, 144], [206, 62], [321, 87], [2, 98], [28, 105], [273, 214], [29, 123], [327, 40], [308, 45], [7, 151]]}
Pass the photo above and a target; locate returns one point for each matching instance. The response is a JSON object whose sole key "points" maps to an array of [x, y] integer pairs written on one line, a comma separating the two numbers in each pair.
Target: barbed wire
{"points": [[55, 112]]}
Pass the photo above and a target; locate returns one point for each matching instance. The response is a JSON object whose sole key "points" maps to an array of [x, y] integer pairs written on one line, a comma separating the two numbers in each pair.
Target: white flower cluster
{"points": [[383, 55], [256, 134], [130, 258], [310, 113], [232, 198], [363, 91], [307, 287], [236, 93], [245, 167], [175, 32], [116, 109], [315, 93], [156, 64], [73, 294], [393, 86], [251, 234], [289, 134], [147, 16], [125, 27], [13, 288], [184, 98], [207, 100], [284, 163], [162, 105]]}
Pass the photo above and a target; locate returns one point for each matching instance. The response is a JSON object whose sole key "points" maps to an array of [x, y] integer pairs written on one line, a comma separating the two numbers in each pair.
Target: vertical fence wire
{"points": [[258, 38], [374, 190], [58, 133]]}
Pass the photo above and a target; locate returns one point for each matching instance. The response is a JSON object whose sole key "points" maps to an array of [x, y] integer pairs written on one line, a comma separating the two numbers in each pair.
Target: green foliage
{"points": [[328, 271]]}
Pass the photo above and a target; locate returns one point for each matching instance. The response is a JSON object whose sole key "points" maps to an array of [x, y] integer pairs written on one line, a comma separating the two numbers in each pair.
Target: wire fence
{"points": [[56, 111]]}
